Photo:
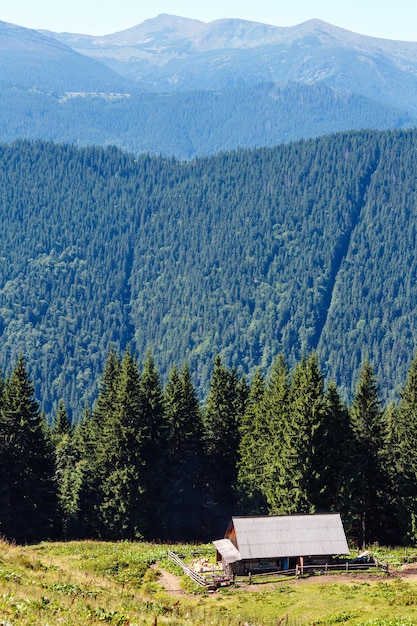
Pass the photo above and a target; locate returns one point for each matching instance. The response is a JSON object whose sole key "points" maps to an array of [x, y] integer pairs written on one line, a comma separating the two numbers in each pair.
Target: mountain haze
{"points": [[170, 53], [175, 86], [30, 59]]}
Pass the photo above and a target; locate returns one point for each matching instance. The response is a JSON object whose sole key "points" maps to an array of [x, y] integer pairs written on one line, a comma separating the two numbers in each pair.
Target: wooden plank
{"points": [[213, 580]]}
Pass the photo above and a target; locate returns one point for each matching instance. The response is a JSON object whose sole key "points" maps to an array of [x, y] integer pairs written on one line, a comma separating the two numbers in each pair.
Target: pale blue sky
{"points": [[389, 19]]}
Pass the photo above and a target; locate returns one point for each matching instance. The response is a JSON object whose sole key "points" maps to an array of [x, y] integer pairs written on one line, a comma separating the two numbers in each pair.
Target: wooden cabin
{"points": [[280, 542]]}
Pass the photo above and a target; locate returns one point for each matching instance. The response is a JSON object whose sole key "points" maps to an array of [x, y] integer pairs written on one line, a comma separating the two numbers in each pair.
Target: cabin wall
{"points": [[242, 568], [231, 535]]}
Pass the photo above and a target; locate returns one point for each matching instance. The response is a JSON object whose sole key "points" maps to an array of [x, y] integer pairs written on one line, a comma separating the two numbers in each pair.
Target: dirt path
{"points": [[170, 582]]}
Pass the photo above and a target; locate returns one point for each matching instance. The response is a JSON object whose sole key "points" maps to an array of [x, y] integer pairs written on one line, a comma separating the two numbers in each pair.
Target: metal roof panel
{"points": [[227, 550], [290, 535]]}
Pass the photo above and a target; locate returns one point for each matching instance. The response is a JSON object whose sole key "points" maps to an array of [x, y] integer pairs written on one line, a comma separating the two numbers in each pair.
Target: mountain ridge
{"points": [[170, 53], [178, 27], [29, 58], [192, 89]]}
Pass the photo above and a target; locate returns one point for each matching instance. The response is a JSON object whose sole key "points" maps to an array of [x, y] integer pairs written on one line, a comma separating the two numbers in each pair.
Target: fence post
{"points": [[325, 569], [347, 566], [250, 578], [296, 569]]}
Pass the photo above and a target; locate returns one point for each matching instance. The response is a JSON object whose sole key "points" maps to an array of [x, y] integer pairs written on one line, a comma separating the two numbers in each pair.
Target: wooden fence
{"points": [[211, 580], [258, 577], [217, 578]]}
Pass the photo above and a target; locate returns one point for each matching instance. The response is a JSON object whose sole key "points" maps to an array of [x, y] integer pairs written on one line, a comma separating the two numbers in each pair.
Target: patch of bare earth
{"points": [[408, 570], [170, 582]]}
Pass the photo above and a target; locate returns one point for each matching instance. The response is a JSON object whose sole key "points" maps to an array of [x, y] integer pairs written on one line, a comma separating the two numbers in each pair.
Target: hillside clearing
{"points": [[129, 584]]}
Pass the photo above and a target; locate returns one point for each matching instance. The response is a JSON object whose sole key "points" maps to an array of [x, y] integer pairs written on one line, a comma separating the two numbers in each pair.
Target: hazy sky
{"points": [[390, 19]]}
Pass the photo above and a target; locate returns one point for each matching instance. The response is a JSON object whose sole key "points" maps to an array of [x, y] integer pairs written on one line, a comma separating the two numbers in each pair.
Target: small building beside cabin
{"points": [[280, 542]]}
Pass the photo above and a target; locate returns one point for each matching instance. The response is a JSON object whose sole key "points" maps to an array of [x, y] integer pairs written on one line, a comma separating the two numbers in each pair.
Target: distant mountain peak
{"points": [[164, 25], [330, 32], [169, 18], [171, 53], [170, 30]]}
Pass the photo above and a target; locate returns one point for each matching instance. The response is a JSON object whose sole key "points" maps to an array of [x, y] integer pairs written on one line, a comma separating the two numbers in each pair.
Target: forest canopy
{"points": [[299, 248]]}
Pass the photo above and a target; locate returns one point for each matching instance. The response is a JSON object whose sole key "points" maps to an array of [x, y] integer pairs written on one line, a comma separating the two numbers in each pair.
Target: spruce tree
{"points": [[61, 425], [368, 503], [28, 500], [121, 488], [401, 497], [333, 445], [298, 463], [68, 480], [403, 448], [184, 469], [80, 495], [99, 434], [107, 396], [154, 450], [65, 459], [254, 438], [223, 412], [274, 440]]}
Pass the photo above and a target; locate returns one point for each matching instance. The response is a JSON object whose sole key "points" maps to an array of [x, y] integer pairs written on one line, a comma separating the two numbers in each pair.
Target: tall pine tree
{"points": [[61, 425], [254, 439], [274, 441], [28, 500], [224, 409], [154, 451], [123, 503], [184, 485], [333, 449], [298, 464], [403, 450], [368, 504]]}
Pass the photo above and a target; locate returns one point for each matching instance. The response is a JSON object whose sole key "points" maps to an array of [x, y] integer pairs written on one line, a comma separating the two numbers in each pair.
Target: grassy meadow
{"points": [[96, 583]]}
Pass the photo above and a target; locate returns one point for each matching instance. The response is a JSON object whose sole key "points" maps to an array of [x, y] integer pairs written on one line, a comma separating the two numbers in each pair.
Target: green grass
{"points": [[96, 583]]}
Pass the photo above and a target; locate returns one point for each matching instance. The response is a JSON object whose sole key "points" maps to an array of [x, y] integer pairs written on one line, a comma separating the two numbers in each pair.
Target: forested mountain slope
{"points": [[189, 124], [183, 88], [249, 253]]}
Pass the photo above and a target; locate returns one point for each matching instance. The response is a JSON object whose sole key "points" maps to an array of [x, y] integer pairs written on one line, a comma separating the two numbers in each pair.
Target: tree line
{"points": [[187, 124], [150, 461]]}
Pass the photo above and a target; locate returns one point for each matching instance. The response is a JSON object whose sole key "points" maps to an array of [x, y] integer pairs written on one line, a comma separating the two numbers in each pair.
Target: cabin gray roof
{"points": [[229, 553], [265, 537]]}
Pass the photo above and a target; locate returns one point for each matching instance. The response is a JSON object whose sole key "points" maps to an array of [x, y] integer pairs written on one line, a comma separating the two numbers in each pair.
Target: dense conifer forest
{"points": [[272, 296], [147, 460], [304, 247], [190, 124]]}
